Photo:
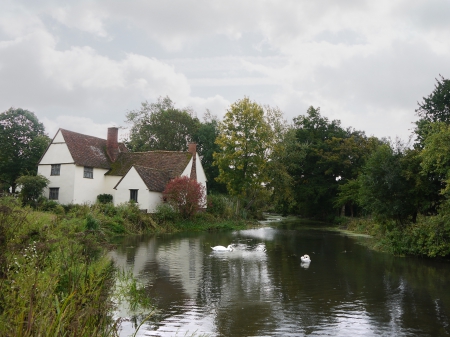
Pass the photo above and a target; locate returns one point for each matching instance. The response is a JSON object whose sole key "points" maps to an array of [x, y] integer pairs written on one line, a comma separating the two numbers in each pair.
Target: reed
{"points": [[55, 279]]}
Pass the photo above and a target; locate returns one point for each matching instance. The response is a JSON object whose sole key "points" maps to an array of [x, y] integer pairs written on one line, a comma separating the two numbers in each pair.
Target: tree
{"points": [[244, 141], [22, 144], [32, 188], [434, 108], [435, 155], [161, 126], [186, 195], [391, 186], [205, 138], [315, 177]]}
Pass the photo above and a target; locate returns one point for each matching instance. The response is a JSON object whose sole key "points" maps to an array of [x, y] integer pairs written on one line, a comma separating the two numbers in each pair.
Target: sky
{"points": [[82, 65]]}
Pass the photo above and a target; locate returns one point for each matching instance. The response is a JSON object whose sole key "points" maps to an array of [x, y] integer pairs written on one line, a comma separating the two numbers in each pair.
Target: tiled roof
{"points": [[156, 168], [87, 150], [171, 162], [155, 180]]}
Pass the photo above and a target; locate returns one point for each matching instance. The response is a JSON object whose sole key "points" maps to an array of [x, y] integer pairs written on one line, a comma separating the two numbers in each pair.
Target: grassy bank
{"points": [[55, 278], [428, 237]]}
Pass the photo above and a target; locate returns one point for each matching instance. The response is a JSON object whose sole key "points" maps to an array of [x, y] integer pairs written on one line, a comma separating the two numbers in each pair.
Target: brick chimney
{"points": [[193, 150], [112, 143]]}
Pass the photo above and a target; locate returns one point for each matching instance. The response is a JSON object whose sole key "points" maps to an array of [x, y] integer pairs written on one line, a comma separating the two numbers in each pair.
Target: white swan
{"points": [[222, 248], [305, 258]]}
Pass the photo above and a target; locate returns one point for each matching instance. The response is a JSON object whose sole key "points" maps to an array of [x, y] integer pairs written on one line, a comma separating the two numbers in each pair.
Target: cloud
{"points": [[361, 61]]}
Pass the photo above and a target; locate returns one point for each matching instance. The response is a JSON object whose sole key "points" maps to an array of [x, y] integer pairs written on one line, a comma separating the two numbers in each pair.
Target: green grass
{"points": [[55, 277]]}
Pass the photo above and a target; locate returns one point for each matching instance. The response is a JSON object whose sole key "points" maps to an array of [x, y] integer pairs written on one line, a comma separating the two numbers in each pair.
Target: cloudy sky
{"points": [[81, 65]]}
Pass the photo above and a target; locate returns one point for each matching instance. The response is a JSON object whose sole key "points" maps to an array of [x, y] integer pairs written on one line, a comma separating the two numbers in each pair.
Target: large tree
{"points": [[205, 138], [22, 143], [244, 140], [161, 126], [391, 186], [434, 108], [314, 177]]}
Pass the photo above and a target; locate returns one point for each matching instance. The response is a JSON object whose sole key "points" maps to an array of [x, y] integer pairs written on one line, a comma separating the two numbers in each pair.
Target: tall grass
{"points": [[54, 276]]}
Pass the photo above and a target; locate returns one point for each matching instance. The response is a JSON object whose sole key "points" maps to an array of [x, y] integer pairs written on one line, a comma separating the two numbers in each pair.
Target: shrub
{"points": [[32, 188], [165, 213], [220, 206], [185, 195], [104, 198], [92, 223]]}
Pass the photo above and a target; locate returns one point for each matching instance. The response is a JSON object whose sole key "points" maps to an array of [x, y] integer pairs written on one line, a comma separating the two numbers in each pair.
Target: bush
{"points": [[92, 223], [104, 198], [185, 195], [32, 188], [165, 213], [220, 205]]}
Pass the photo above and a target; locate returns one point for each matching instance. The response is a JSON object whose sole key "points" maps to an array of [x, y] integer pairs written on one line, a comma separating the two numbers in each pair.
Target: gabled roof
{"points": [[155, 180], [171, 162], [87, 150]]}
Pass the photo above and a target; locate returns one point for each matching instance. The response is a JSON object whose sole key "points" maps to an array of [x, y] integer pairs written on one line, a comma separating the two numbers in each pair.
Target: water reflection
{"points": [[261, 288]]}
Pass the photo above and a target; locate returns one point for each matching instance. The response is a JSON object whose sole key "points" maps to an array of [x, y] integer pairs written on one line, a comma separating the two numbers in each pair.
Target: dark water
{"points": [[262, 289]]}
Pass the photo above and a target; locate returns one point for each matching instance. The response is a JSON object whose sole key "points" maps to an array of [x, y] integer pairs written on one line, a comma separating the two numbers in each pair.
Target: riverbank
{"points": [[55, 277], [428, 237]]}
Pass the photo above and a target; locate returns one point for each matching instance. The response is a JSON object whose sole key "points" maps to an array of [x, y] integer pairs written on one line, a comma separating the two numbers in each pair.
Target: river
{"points": [[261, 288]]}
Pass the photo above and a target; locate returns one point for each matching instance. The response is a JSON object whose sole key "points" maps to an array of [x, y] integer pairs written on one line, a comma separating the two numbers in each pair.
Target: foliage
{"points": [[433, 109], [321, 157], [436, 107], [22, 143], [185, 195], [220, 205], [165, 213], [104, 198], [391, 186], [205, 137], [436, 156], [245, 143], [161, 126], [32, 188], [55, 281]]}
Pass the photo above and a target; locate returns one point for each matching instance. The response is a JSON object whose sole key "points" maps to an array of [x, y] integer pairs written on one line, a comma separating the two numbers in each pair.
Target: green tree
{"points": [[434, 108], [22, 144], [161, 126], [244, 140], [205, 138], [315, 177], [391, 186], [32, 187], [435, 155]]}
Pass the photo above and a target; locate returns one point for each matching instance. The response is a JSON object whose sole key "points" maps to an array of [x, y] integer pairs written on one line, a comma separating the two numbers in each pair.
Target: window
{"points": [[56, 168], [54, 193], [88, 172], [134, 195]]}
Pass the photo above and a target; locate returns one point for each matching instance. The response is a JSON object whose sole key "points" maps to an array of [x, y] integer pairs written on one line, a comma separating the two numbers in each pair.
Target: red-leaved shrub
{"points": [[186, 195]]}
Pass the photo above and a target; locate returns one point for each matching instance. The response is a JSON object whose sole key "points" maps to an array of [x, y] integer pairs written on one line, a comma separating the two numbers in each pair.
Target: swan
{"points": [[222, 248], [305, 258]]}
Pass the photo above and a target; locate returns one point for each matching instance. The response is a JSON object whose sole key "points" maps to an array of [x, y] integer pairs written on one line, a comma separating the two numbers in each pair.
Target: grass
{"points": [[55, 276]]}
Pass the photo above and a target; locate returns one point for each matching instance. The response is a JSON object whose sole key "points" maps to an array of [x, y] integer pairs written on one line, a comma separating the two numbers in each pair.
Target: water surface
{"points": [[262, 288]]}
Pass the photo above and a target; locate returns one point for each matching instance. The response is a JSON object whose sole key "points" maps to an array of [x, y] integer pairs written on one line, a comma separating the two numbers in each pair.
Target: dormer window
{"points": [[88, 172], [56, 168]]}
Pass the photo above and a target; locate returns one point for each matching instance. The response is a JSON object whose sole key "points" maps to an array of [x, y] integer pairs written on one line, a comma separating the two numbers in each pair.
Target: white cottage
{"points": [[81, 167]]}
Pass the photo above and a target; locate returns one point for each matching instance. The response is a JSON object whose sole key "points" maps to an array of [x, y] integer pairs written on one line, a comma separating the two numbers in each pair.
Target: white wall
{"points": [[58, 152], [201, 176], [146, 199], [87, 189], [65, 182]]}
